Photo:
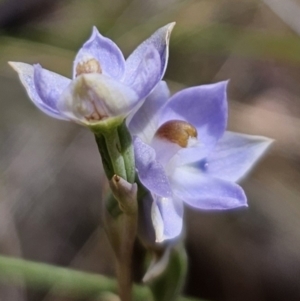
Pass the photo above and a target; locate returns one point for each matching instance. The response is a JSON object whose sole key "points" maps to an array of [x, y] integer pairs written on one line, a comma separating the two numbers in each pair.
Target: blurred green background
{"points": [[51, 179]]}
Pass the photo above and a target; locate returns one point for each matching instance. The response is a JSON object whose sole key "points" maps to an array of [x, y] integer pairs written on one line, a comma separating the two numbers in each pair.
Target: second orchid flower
{"points": [[184, 155]]}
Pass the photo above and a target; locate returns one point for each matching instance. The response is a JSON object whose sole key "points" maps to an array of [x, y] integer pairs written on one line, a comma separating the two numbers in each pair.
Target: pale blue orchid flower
{"points": [[105, 86], [184, 155]]}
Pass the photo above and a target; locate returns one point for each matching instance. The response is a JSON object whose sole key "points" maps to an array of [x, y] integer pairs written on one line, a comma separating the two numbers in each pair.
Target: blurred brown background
{"points": [[50, 185]]}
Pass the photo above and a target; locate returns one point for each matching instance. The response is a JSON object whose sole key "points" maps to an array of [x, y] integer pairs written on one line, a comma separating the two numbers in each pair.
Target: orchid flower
{"points": [[105, 87], [184, 155]]}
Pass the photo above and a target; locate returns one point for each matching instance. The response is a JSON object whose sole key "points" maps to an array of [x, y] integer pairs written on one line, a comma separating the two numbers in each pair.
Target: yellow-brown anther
{"points": [[95, 116], [89, 66], [177, 131]]}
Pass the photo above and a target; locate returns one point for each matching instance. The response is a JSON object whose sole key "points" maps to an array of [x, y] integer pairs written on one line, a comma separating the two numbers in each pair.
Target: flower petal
{"points": [[204, 192], [49, 85], [147, 73], [204, 107], [167, 215], [147, 64], [105, 51], [145, 121], [151, 173], [93, 97], [234, 156], [43, 87]]}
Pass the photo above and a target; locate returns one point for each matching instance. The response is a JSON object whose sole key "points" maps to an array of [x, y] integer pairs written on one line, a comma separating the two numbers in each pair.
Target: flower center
{"points": [[177, 131], [85, 100], [89, 110], [95, 115], [89, 66]]}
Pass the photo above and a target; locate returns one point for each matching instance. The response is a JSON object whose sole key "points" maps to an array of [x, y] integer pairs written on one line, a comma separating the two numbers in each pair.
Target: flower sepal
{"points": [[106, 126]]}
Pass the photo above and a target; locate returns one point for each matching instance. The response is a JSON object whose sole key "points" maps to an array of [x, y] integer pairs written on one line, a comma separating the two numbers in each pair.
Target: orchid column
{"points": [[104, 91]]}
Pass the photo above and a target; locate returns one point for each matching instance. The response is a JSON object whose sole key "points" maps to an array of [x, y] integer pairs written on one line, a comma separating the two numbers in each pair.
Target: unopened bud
{"points": [[125, 193]]}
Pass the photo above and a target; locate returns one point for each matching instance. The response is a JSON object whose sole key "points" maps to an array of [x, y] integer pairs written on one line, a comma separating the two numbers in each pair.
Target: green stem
{"points": [[115, 146], [124, 279], [63, 281], [106, 161], [114, 150], [127, 151]]}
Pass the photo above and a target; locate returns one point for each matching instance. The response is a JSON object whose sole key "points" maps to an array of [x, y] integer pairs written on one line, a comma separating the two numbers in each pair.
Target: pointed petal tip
{"points": [[11, 63], [235, 204], [266, 143], [16, 65], [95, 31], [225, 83], [169, 28], [21, 68], [241, 204], [165, 32]]}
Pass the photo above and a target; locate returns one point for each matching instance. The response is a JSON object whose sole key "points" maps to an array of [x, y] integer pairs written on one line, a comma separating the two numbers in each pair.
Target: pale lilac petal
{"points": [[147, 73], [192, 154], [47, 104], [151, 173], [234, 156], [49, 85], [205, 107], [96, 93], [145, 121], [105, 51], [140, 68], [204, 192], [167, 215]]}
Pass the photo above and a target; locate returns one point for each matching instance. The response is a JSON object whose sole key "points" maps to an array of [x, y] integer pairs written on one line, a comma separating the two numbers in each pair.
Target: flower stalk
{"points": [[127, 152], [113, 145], [116, 150]]}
